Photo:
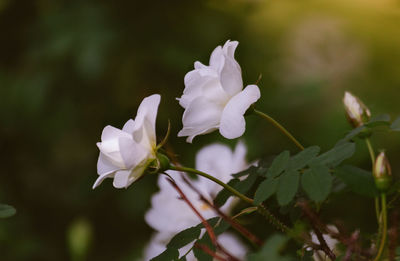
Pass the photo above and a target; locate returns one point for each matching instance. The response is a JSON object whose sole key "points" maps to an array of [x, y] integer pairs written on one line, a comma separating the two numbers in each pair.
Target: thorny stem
{"points": [[207, 250], [279, 126], [384, 233], [205, 223], [315, 223], [260, 208], [272, 219], [208, 227], [242, 230]]}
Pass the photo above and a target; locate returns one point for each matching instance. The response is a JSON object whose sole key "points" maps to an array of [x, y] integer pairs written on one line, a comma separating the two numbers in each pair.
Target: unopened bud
{"points": [[356, 111], [382, 172]]}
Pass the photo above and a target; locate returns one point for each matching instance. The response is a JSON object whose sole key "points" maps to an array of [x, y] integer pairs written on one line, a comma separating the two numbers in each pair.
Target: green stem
{"points": [[279, 126], [371, 151], [384, 233], [219, 182], [260, 208], [372, 155]]}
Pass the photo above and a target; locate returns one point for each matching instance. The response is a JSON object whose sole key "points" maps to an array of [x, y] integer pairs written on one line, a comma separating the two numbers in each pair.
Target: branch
{"points": [[393, 234], [242, 230], [315, 223], [203, 220], [208, 251]]}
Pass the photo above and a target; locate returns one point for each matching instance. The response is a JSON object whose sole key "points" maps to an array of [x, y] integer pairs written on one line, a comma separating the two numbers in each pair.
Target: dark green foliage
{"points": [[219, 228], [352, 134], [301, 159], [283, 176], [170, 254], [224, 194], [199, 253], [245, 172], [271, 250], [317, 182], [396, 125], [241, 186], [287, 187], [184, 237], [191, 234], [7, 211], [266, 189], [278, 165], [336, 155], [379, 120], [358, 180]]}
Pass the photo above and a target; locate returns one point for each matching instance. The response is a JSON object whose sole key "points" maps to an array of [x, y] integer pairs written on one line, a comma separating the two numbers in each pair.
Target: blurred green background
{"points": [[68, 68]]}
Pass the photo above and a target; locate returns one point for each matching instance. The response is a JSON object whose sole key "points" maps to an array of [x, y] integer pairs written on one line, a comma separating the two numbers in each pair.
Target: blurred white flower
{"points": [[213, 97], [125, 154], [169, 215], [331, 242]]}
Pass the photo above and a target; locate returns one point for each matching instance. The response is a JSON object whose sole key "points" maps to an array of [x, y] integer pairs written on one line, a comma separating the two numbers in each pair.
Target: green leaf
{"points": [[200, 254], [352, 134], [271, 250], [358, 180], [241, 186], [221, 228], [287, 187], [336, 155], [301, 159], [382, 119], [396, 125], [245, 172], [245, 185], [212, 222], [224, 194], [7, 211], [278, 165], [265, 190], [170, 254], [317, 182], [184, 237]]}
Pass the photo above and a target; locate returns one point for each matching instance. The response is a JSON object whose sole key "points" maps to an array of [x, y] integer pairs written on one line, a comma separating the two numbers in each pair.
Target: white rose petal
{"points": [[232, 123], [211, 93], [124, 154]]}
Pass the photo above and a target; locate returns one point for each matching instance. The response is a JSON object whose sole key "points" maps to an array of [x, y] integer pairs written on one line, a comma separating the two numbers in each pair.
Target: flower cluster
{"points": [[213, 99]]}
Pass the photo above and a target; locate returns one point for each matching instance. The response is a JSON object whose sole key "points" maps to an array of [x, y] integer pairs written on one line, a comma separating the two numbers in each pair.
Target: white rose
{"points": [[169, 215], [214, 98], [125, 154]]}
